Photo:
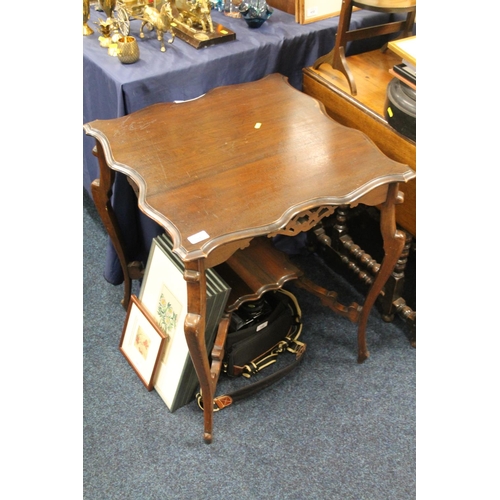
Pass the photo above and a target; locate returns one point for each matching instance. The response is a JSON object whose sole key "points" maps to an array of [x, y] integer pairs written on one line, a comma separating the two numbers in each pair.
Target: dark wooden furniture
{"points": [[284, 5], [336, 58], [112, 89], [245, 161], [365, 112]]}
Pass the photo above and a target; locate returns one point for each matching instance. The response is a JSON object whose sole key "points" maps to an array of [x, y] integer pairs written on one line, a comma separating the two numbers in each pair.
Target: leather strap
{"points": [[226, 400]]}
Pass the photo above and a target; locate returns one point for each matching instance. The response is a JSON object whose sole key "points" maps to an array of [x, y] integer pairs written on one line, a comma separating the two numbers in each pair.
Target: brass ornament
{"points": [[127, 50], [105, 28], [108, 7], [160, 20], [87, 30], [190, 20]]}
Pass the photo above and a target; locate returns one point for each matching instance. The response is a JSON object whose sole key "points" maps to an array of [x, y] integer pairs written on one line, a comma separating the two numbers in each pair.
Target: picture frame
{"points": [[142, 342], [164, 283], [310, 11], [164, 289]]}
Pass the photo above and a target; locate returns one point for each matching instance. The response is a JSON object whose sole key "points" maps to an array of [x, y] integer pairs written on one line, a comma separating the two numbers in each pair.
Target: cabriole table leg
{"points": [[194, 328], [102, 189], [394, 241]]}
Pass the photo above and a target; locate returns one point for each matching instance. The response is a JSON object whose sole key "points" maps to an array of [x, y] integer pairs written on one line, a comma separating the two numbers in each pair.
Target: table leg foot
{"points": [[363, 356], [127, 291], [207, 437]]}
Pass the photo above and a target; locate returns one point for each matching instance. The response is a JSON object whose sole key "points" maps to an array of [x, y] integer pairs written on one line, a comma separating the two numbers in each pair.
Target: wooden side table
{"points": [[365, 112], [243, 161]]}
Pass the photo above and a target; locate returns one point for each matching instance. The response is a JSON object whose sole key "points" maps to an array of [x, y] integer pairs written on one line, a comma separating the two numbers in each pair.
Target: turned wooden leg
{"points": [[394, 241], [340, 226], [393, 289]]}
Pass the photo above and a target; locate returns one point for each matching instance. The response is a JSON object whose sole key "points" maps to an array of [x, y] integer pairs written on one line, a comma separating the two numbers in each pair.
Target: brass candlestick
{"points": [[87, 30]]}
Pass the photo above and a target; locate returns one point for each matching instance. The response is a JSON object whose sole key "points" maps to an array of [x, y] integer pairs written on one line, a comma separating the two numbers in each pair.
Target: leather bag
{"points": [[259, 332]]}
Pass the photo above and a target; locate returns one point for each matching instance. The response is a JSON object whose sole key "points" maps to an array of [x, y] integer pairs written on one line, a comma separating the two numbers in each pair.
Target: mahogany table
{"points": [[112, 89], [244, 161]]}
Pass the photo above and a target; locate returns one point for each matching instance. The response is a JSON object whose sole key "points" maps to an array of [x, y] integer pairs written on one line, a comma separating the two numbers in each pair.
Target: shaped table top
{"points": [[241, 161]]}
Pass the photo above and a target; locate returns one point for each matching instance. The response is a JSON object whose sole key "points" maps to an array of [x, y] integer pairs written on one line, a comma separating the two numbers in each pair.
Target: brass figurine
{"points": [[191, 20], [156, 17], [193, 23], [192, 16], [159, 20], [194, 13]]}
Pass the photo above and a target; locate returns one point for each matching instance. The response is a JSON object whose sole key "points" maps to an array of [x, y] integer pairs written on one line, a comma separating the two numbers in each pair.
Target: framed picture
{"points": [[142, 342], [309, 11], [164, 294]]}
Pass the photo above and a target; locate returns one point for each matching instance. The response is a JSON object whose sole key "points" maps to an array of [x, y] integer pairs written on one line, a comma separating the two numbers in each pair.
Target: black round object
{"points": [[254, 308], [401, 108]]}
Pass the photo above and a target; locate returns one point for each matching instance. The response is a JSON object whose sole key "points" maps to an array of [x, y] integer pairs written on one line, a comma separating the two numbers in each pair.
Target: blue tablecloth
{"points": [[112, 89]]}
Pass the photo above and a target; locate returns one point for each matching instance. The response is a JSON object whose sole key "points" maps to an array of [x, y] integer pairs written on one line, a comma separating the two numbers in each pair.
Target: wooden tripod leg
{"points": [[336, 57], [394, 241]]}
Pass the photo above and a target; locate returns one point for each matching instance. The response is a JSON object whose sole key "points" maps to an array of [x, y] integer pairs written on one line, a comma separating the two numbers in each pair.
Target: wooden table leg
{"points": [[394, 241], [102, 190], [194, 328]]}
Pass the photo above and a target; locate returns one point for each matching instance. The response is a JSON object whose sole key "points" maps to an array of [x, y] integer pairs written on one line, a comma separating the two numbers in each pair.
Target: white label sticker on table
{"points": [[196, 238]]}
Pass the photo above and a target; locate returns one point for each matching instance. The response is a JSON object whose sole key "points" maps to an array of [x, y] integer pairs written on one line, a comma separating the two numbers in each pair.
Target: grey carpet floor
{"points": [[333, 429]]}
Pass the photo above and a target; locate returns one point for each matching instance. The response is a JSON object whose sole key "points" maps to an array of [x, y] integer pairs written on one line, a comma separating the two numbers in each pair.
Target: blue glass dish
{"points": [[255, 12]]}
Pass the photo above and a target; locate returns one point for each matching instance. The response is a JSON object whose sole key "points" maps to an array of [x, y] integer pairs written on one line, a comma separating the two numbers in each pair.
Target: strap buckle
{"points": [[289, 343], [219, 402]]}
